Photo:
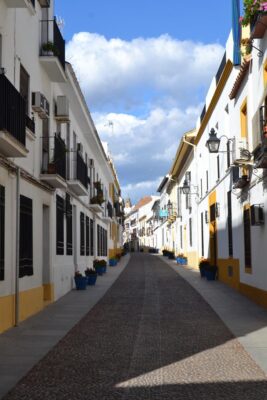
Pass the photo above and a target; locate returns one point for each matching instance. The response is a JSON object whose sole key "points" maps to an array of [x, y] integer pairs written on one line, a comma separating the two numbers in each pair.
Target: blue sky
{"points": [[144, 66]]}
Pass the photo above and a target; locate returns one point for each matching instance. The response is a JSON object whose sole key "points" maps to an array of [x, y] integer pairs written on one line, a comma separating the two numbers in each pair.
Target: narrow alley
{"points": [[151, 336]]}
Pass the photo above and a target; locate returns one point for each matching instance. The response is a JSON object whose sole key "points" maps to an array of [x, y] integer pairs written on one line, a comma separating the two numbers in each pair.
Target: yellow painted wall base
{"points": [[257, 295], [7, 316], [113, 252], [49, 294], [30, 303], [228, 272]]}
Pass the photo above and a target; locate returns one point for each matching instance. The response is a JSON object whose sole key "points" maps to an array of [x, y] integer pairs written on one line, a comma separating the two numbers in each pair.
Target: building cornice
{"points": [[217, 94]]}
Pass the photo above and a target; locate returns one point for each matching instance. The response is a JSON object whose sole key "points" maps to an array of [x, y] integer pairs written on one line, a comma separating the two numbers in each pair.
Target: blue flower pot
{"points": [[202, 272], [210, 275], [112, 262], [178, 260], [91, 280], [80, 282]]}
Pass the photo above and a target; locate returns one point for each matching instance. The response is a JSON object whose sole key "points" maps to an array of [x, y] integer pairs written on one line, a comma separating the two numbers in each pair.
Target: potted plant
{"points": [[203, 263], [252, 8], [171, 255], [113, 262], [98, 199], [91, 275], [179, 258], [100, 266], [211, 272], [50, 49], [80, 281]]}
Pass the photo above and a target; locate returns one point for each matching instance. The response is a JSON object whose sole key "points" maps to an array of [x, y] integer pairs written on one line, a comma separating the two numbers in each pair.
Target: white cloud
{"points": [[144, 95], [117, 72], [141, 189]]}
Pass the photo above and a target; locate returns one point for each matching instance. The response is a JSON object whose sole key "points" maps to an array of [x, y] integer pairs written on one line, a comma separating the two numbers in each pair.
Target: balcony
{"points": [[12, 120], [78, 178], [258, 26], [54, 167], [52, 51], [30, 4], [30, 126], [97, 200]]}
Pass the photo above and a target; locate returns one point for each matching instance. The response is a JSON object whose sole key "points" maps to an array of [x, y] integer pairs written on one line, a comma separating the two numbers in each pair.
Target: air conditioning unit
{"points": [[62, 108], [40, 104], [91, 163], [80, 147], [241, 154], [257, 214]]}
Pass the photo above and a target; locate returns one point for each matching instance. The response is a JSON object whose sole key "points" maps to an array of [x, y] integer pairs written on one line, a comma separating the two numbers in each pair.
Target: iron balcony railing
{"points": [[52, 42], [78, 169], [12, 110], [30, 124], [55, 161]]}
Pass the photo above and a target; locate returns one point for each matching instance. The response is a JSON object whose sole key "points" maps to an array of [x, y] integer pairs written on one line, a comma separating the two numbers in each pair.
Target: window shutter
{"points": [[26, 238], [60, 225], [2, 233]]}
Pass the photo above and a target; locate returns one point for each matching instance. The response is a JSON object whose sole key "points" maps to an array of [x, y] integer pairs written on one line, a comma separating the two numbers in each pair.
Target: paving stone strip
{"points": [[152, 336]]}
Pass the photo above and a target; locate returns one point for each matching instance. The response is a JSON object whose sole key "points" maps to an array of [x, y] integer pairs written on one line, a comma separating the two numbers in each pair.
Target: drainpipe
{"points": [[17, 247]]}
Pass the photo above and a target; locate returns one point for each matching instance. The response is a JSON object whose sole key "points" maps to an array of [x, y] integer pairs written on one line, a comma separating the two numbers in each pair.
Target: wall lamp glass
{"points": [[186, 188], [213, 143]]}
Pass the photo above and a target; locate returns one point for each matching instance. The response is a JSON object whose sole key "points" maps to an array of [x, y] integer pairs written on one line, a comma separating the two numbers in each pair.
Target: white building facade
{"points": [[60, 204]]}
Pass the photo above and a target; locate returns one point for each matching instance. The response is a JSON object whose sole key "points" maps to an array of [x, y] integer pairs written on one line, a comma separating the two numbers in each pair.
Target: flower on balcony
{"points": [[49, 47], [98, 199], [251, 9], [248, 46]]}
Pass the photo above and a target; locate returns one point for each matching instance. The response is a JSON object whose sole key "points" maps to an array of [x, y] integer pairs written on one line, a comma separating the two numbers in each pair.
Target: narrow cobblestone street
{"points": [[152, 336]]}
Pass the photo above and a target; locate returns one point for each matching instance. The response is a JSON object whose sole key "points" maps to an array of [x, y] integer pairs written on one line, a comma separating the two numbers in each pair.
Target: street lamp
{"points": [[186, 187], [213, 143], [169, 207]]}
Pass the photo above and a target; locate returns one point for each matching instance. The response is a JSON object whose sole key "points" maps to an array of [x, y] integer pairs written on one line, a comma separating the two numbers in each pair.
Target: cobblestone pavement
{"points": [[151, 336]]}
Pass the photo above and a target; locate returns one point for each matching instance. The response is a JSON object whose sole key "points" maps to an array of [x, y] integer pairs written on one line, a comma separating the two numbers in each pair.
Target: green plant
{"points": [[251, 9], [248, 46], [50, 47], [90, 271], [78, 274], [99, 263], [203, 263], [99, 199]]}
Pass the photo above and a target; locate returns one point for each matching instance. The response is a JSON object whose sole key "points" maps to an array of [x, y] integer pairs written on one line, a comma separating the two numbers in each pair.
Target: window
{"points": [[60, 226], [228, 149], [218, 167], [202, 234], [82, 249], [201, 188], [69, 225], [87, 231], [1, 51], [247, 238], [190, 232], [229, 220], [24, 87], [26, 238], [181, 236], [2, 233], [179, 202], [98, 240], [92, 236], [207, 181]]}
